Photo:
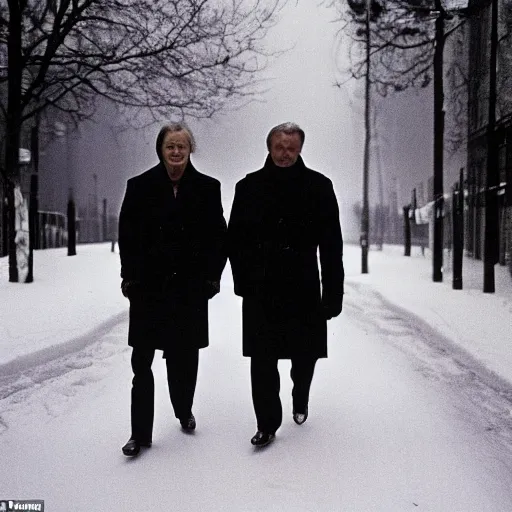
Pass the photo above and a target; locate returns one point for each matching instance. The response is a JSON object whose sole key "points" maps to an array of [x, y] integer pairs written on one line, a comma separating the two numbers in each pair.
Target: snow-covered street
{"points": [[401, 418]]}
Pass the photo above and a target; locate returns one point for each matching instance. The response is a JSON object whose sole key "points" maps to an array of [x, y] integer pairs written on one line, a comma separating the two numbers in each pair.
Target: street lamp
{"points": [[365, 8], [365, 214], [33, 204], [438, 192], [491, 241]]}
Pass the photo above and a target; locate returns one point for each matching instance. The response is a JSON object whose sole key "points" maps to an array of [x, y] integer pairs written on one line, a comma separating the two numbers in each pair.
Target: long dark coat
{"points": [[170, 247], [280, 219]]}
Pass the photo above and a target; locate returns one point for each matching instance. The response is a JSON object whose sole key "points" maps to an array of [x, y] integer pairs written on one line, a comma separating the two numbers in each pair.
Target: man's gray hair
{"points": [[174, 127], [289, 129]]}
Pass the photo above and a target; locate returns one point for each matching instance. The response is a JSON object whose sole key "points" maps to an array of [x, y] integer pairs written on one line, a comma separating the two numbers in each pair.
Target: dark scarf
{"points": [[283, 174], [189, 170]]}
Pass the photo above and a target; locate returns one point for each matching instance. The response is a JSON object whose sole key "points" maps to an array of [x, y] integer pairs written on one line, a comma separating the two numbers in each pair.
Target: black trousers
{"points": [[182, 368], [266, 385]]}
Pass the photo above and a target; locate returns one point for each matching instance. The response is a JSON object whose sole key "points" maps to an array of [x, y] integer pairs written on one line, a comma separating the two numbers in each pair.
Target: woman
{"points": [[172, 246]]}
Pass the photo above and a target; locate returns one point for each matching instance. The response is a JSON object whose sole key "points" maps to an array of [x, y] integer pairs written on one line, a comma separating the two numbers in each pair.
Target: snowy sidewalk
{"points": [[477, 322], [73, 300]]}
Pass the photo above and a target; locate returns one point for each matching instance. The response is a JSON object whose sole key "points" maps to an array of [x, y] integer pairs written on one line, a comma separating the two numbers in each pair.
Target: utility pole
{"points": [[71, 216], [104, 221], [365, 215], [96, 211], [491, 251], [458, 231], [33, 205], [71, 208], [437, 252], [381, 218]]}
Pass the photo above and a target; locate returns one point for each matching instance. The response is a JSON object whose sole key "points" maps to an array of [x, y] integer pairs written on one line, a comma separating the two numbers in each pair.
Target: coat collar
{"points": [[269, 165], [190, 172]]}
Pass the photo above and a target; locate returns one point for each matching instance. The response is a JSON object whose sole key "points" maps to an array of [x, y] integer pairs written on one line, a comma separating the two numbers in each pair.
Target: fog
{"points": [[299, 87]]}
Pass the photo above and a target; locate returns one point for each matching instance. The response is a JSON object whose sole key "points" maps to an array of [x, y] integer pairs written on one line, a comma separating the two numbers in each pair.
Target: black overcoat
{"points": [[170, 247], [281, 220]]}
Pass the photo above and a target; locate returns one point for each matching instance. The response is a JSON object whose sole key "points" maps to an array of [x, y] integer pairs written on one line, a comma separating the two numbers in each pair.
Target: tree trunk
{"points": [[11, 231], [13, 126], [22, 244]]}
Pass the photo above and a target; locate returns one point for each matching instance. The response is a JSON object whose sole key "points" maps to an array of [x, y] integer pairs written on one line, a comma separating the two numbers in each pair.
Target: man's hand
{"points": [[125, 287], [212, 288], [332, 310]]}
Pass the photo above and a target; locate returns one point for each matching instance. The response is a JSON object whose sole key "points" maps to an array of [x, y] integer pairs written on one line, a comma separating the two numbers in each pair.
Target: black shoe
{"points": [[300, 417], [262, 438], [189, 423], [132, 447]]}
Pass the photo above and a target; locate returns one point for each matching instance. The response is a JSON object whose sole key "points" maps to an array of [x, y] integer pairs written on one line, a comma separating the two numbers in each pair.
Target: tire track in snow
{"points": [[482, 396], [47, 388]]}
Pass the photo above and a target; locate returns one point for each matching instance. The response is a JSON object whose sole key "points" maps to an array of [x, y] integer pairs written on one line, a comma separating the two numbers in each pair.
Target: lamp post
{"points": [[61, 130], [365, 214], [491, 248], [33, 205], [71, 216], [438, 193], [96, 211]]}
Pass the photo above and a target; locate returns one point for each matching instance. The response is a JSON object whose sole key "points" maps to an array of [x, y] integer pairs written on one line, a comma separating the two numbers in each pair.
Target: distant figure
{"points": [[172, 248], [281, 215]]}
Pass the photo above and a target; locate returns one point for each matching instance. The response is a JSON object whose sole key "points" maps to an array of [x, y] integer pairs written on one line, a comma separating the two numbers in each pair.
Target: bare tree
{"points": [[156, 58], [403, 42]]}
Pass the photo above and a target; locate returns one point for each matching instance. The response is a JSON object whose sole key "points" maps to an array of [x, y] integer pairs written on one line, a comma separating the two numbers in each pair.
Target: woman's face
{"points": [[175, 153]]}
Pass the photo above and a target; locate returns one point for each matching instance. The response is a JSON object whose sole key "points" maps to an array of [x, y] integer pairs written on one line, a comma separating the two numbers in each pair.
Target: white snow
{"points": [[400, 416], [75, 297], [480, 323], [70, 298]]}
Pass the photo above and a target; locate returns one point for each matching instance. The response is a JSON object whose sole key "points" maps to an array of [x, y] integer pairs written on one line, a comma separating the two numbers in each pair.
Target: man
{"points": [[172, 247], [281, 216]]}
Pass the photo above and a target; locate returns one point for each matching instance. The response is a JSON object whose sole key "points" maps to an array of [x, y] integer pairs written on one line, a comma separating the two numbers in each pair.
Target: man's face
{"points": [[285, 148]]}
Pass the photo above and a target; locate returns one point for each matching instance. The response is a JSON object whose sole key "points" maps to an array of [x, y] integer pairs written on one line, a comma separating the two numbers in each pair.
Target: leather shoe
{"points": [[300, 417], [262, 438], [132, 447], [188, 423]]}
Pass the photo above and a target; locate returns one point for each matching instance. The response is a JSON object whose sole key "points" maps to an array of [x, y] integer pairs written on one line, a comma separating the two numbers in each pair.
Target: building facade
{"points": [[479, 48]]}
